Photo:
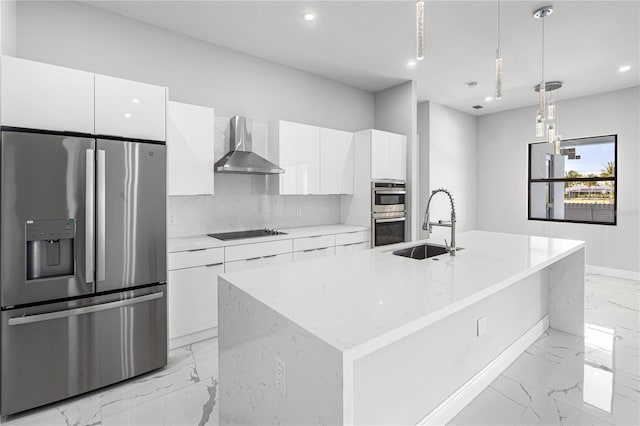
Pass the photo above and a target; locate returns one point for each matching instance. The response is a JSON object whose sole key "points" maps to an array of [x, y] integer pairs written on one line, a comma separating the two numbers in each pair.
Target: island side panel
{"points": [[566, 280], [252, 338], [404, 381]]}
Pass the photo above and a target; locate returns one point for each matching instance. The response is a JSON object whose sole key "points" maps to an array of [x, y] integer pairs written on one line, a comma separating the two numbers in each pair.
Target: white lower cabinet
{"points": [[277, 259], [350, 248], [193, 299], [314, 253], [243, 265]]}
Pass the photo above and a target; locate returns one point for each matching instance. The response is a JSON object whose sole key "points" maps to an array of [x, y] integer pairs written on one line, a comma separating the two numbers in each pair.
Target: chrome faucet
{"points": [[428, 226]]}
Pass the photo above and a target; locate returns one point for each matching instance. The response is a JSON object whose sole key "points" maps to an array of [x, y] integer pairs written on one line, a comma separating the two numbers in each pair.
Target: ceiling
{"points": [[367, 44]]}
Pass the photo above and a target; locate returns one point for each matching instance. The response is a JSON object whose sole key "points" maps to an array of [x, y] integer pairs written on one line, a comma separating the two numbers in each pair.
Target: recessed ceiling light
{"points": [[135, 100], [488, 99], [127, 115], [624, 68], [411, 63], [309, 17]]}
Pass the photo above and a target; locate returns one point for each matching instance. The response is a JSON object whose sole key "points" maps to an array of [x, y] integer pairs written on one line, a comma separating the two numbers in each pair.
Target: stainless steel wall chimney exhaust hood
{"points": [[240, 158]]}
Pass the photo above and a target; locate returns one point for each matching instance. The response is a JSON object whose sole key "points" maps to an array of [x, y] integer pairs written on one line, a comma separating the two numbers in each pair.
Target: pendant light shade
{"points": [[541, 116], [420, 30]]}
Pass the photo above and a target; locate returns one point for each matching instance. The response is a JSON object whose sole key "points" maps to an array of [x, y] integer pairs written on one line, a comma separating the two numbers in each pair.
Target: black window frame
{"points": [[614, 179]]}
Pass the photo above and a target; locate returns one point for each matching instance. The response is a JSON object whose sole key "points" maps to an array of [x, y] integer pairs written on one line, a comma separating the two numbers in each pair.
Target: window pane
{"points": [[578, 158], [591, 157], [575, 201]]}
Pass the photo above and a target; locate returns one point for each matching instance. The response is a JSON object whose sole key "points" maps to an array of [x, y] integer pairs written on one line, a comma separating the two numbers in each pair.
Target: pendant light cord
{"points": [[543, 50], [498, 24]]}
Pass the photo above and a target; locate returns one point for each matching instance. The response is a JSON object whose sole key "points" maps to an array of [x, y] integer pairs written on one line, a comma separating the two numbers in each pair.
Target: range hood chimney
{"points": [[240, 158]]}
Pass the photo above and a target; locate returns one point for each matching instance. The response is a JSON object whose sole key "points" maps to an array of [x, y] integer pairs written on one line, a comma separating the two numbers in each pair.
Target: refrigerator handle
{"points": [[30, 319], [89, 216], [100, 205]]}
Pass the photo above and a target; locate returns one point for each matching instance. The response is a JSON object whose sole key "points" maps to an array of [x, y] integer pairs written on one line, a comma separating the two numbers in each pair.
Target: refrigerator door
{"points": [[54, 351], [44, 224], [130, 214]]}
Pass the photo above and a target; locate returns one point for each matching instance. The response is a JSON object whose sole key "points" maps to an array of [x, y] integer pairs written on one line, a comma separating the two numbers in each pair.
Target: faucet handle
{"points": [[446, 245]]}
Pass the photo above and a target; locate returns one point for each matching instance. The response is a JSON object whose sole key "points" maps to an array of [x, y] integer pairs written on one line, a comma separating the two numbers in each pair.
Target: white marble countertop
{"points": [[203, 241], [363, 301]]}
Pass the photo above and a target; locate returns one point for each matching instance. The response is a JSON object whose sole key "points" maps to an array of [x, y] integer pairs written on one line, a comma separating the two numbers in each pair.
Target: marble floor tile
{"points": [[560, 380]]}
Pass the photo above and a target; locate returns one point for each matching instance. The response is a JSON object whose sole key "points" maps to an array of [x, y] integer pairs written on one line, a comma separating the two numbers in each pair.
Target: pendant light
{"points": [[541, 14], [499, 61], [420, 30]]}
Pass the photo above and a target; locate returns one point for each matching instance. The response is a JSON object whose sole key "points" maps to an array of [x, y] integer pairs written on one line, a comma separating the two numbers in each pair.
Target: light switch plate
{"points": [[482, 326]]}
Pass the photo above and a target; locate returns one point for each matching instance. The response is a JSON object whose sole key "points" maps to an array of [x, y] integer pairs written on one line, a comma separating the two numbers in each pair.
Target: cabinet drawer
{"points": [[303, 255], [199, 257], [325, 252], [242, 265], [315, 242], [250, 251], [277, 259], [361, 246], [352, 237]]}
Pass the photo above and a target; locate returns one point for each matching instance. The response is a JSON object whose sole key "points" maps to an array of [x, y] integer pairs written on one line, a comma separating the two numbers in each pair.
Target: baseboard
{"points": [[617, 273], [198, 336], [446, 411]]}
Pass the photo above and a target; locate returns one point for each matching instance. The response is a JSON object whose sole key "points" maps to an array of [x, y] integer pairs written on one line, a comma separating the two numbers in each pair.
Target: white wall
{"points": [[502, 174], [79, 36], [8, 27], [451, 163], [396, 112]]}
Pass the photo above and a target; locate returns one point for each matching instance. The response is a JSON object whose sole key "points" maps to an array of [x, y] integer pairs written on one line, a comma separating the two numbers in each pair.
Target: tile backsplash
{"points": [[247, 201]]}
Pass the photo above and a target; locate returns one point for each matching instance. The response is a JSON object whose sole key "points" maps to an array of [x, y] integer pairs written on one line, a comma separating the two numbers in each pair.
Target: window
{"points": [[578, 185]]}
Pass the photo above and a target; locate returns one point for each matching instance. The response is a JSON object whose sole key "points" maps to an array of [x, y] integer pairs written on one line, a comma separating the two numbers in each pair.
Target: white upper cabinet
{"points": [[379, 155], [388, 155], [309, 171], [46, 97], [129, 109], [328, 161], [397, 157], [345, 162], [190, 135], [316, 160], [289, 135]]}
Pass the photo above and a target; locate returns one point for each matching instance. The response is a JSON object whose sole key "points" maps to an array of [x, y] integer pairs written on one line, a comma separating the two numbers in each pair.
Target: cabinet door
{"points": [[304, 255], [345, 162], [325, 252], [289, 140], [129, 109], [193, 299], [328, 161], [309, 171], [242, 265], [397, 157], [45, 97], [344, 249], [379, 155], [278, 259], [190, 130]]}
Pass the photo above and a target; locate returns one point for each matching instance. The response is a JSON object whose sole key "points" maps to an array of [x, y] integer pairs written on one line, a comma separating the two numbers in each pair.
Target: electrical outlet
{"points": [[482, 326], [298, 211], [281, 376], [173, 219]]}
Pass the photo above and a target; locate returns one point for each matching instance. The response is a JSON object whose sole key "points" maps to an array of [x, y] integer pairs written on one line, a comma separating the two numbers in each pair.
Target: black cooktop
{"points": [[254, 233]]}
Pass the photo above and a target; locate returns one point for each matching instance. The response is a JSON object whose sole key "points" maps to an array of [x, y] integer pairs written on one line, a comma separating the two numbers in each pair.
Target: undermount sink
{"points": [[422, 251]]}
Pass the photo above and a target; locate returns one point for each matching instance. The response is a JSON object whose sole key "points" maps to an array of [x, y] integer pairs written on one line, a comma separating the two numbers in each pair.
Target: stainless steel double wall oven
{"points": [[82, 264], [388, 212]]}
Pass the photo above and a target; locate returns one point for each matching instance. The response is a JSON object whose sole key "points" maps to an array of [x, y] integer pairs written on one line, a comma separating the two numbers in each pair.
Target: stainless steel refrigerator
{"points": [[82, 264]]}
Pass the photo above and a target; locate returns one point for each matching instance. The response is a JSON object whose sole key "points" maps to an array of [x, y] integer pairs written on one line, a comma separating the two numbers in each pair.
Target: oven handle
{"points": [[393, 191], [395, 219], [84, 310]]}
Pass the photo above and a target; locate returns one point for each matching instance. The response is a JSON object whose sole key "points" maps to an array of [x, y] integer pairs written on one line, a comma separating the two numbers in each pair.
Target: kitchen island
{"points": [[374, 338]]}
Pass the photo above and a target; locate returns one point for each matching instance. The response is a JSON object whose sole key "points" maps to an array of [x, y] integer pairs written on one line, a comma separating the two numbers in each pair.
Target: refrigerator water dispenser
{"points": [[50, 248]]}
